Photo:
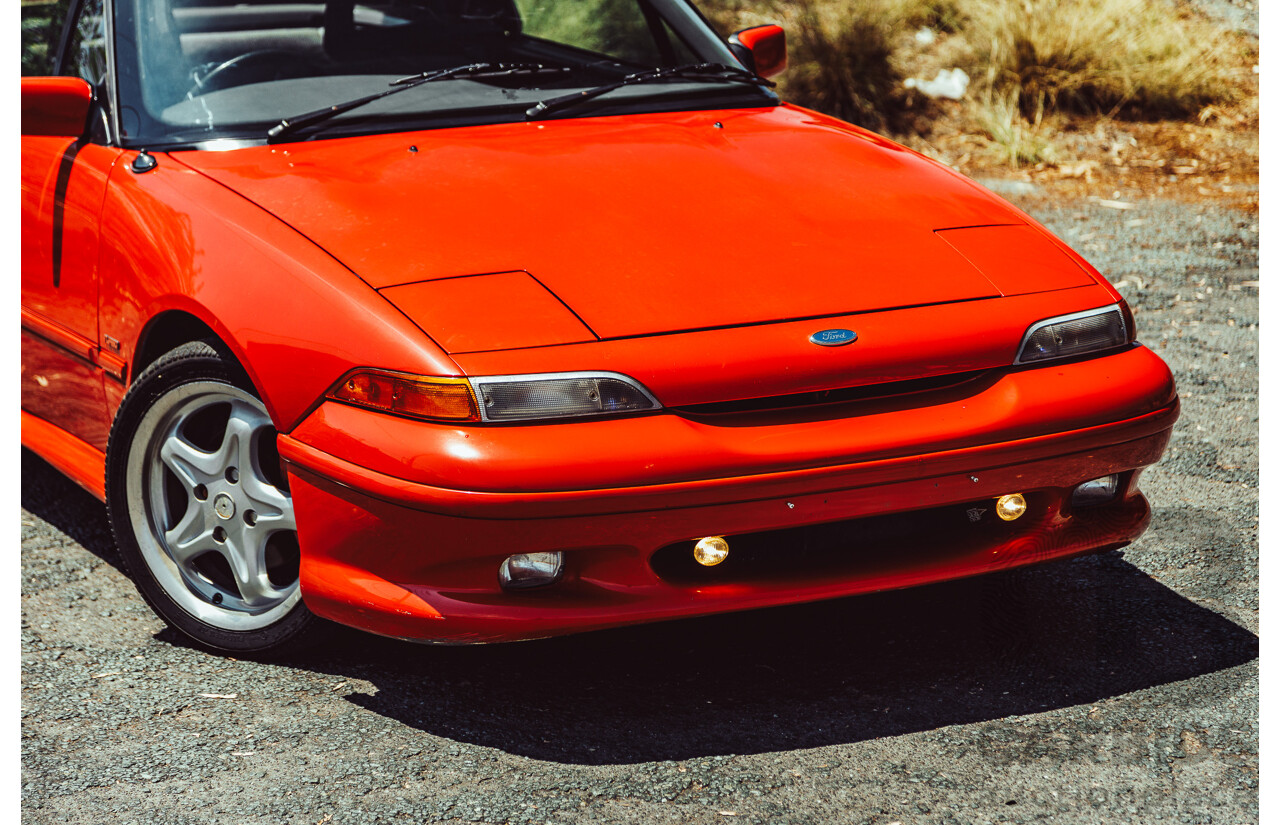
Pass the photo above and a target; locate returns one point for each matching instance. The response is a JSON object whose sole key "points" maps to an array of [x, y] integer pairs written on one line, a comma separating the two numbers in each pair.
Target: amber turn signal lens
{"points": [[448, 399], [1011, 506]]}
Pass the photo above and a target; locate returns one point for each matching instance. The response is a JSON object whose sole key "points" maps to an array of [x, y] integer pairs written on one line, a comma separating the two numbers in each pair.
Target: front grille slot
{"points": [[844, 395]]}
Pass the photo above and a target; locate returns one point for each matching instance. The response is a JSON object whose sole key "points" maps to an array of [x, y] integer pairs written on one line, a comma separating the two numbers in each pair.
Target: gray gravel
{"points": [[1115, 688]]}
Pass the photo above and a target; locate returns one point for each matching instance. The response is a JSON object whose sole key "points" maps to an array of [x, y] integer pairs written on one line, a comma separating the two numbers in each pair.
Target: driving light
{"points": [[1098, 491], [1011, 507], [711, 551], [525, 570], [1076, 334], [419, 396], [559, 395]]}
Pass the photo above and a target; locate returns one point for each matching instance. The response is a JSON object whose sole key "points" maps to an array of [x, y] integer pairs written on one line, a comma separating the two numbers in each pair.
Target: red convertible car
{"points": [[479, 320]]}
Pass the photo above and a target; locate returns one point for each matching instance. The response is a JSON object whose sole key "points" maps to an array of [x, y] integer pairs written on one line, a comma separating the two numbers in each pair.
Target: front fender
{"points": [[297, 320]]}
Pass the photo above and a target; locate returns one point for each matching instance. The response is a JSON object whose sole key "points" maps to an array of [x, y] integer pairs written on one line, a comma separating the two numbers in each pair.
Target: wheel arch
{"points": [[167, 330], [173, 326]]}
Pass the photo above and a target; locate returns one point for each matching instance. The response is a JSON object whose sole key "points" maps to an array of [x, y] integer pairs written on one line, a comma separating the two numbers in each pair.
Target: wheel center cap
{"points": [[224, 506]]}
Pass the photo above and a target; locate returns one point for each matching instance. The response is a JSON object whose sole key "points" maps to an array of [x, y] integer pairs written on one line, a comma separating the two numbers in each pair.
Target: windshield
{"points": [[196, 70]]}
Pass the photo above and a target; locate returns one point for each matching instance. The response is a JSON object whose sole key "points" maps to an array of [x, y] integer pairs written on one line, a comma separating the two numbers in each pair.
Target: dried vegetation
{"points": [[1043, 74]]}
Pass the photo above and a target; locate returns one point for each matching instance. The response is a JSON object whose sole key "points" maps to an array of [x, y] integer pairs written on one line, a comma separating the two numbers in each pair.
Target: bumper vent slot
{"points": [[863, 547]]}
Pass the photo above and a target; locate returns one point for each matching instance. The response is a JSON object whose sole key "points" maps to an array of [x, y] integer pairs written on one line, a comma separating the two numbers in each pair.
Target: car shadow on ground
{"points": [[1022, 642], [60, 502]]}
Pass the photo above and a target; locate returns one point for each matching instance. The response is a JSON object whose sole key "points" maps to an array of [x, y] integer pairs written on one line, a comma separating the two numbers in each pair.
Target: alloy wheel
{"points": [[210, 507]]}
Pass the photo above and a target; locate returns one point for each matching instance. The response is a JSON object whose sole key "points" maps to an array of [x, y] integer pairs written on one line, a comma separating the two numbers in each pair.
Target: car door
{"points": [[64, 180]]}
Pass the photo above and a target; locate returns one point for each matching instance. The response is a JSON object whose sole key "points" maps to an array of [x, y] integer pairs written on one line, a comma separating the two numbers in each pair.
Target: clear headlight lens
{"points": [[1098, 491], [559, 395], [1076, 334]]}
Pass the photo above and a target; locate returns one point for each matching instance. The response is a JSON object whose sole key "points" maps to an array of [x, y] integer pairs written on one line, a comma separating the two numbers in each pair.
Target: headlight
{"points": [[494, 397], [559, 395], [1076, 334]]}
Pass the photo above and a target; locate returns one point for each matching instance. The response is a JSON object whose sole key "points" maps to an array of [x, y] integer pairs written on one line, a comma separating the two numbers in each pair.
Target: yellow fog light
{"points": [[1011, 506], [711, 551]]}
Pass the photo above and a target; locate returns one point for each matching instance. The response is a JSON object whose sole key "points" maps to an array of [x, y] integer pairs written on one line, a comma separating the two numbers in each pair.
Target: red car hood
{"points": [[639, 224]]}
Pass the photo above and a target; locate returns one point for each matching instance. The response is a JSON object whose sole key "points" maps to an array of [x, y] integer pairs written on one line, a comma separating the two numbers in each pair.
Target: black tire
{"points": [[203, 557]]}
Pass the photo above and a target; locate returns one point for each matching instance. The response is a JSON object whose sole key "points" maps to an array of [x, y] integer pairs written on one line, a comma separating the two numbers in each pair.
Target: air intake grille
{"points": [[837, 396]]}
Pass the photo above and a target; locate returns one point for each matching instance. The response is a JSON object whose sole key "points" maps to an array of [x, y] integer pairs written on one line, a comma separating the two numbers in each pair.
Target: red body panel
{"points": [[400, 547], [629, 244], [297, 320], [505, 310], [1018, 259], [63, 184], [636, 223], [55, 106], [412, 574], [78, 460], [668, 448], [777, 359]]}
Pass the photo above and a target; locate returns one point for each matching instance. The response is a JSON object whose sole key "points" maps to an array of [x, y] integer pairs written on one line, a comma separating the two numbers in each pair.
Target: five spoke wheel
{"points": [[228, 505], [201, 506]]}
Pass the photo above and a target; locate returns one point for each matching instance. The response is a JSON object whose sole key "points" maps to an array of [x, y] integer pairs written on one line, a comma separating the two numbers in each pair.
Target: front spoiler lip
{"points": [[703, 492]]}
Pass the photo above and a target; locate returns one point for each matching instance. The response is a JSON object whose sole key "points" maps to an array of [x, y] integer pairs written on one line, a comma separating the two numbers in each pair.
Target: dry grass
{"points": [[1019, 142], [842, 53], [1143, 58], [1034, 64]]}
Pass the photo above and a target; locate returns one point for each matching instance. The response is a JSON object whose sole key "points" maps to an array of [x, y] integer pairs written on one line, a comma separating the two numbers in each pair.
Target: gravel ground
{"points": [[1115, 688]]}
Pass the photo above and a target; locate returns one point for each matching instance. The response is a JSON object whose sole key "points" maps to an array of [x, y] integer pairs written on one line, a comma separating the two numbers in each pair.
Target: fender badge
{"points": [[833, 337]]}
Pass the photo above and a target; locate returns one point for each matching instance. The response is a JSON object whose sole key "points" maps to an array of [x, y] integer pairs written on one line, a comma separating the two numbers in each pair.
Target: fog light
{"points": [[1098, 491], [1011, 506], [711, 551], [525, 570]]}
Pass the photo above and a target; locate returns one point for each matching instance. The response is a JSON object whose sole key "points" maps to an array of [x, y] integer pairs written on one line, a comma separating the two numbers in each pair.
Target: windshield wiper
{"points": [[292, 124], [691, 71]]}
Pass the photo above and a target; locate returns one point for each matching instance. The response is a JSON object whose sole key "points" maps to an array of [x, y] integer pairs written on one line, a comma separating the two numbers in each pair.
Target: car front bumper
{"points": [[389, 546]]}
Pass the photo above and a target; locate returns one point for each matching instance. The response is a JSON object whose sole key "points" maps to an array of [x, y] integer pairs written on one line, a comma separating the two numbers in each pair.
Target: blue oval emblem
{"points": [[833, 337]]}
